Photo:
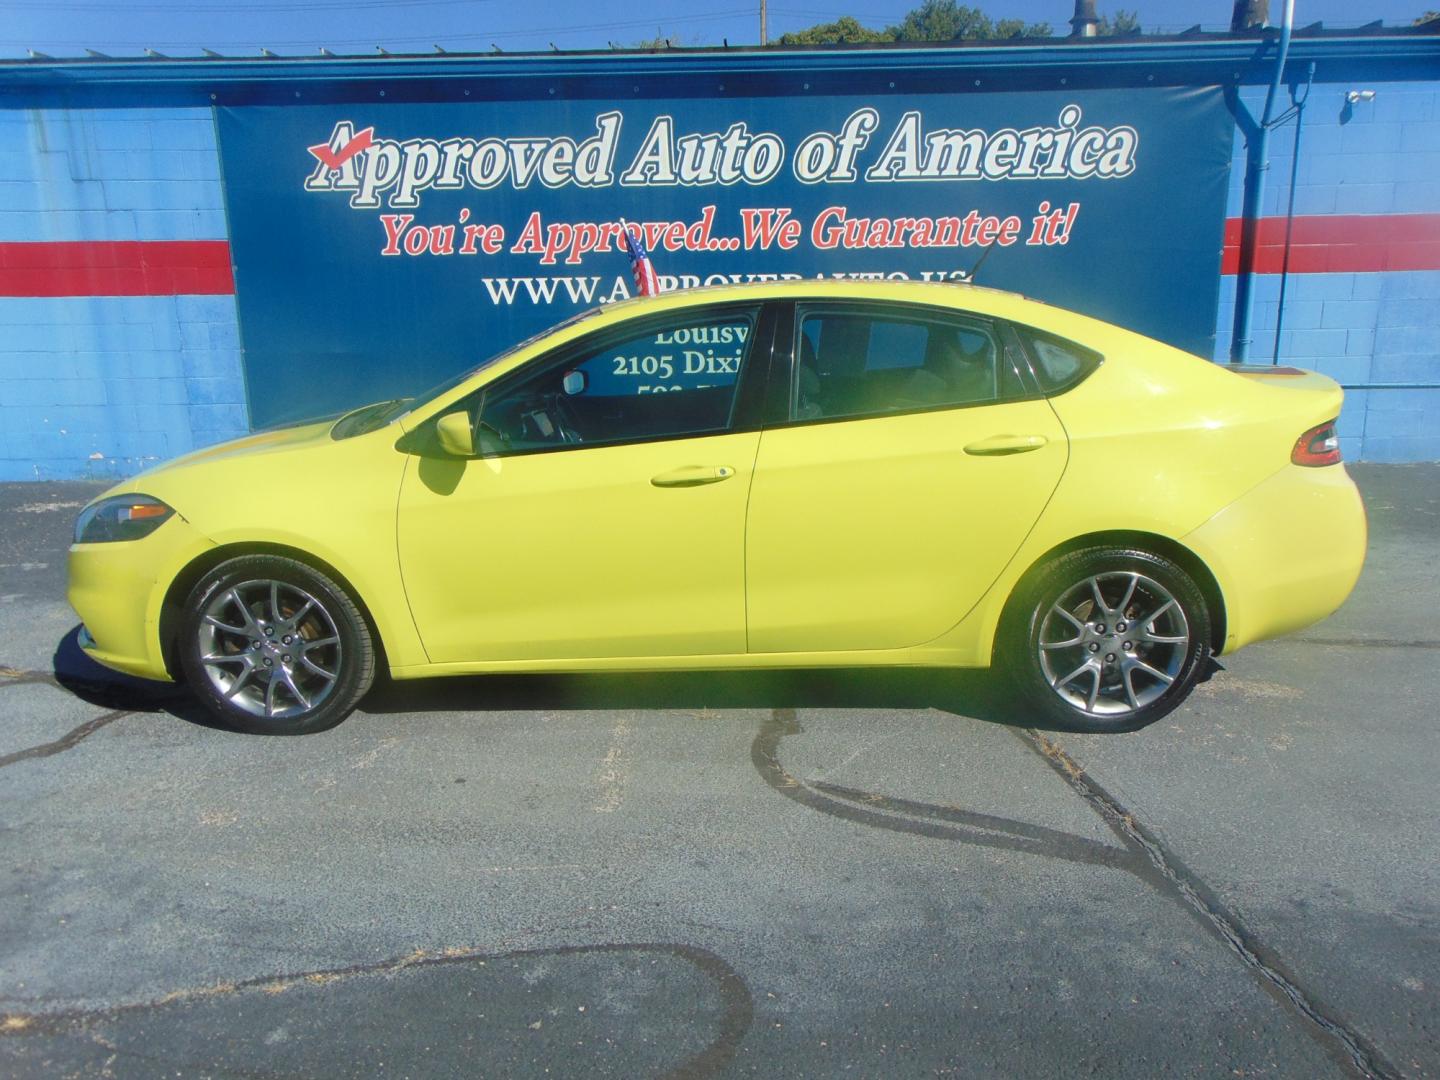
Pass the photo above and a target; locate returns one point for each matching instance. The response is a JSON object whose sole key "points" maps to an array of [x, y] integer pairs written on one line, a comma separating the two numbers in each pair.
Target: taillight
{"points": [[1318, 446]]}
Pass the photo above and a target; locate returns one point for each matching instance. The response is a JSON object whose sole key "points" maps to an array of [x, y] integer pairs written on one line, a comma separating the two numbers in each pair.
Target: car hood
{"points": [[286, 438]]}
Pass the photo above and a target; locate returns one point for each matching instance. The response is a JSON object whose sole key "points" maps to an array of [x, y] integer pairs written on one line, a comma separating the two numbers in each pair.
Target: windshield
{"points": [[455, 380], [371, 417]]}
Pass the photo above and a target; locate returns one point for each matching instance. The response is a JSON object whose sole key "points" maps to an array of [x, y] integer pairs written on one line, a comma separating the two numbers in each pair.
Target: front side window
{"points": [[676, 377], [868, 363]]}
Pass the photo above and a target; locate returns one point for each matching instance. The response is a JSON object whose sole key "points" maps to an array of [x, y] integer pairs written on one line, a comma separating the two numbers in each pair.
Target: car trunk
{"points": [[1319, 396]]}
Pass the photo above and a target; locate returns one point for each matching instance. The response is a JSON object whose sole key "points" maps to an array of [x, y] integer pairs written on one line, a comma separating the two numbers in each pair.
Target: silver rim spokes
{"points": [[1113, 643], [270, 647]]}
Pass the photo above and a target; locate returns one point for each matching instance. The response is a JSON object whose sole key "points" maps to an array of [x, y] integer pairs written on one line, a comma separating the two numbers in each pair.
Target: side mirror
{"points": [[573, 383], [457, 438]]}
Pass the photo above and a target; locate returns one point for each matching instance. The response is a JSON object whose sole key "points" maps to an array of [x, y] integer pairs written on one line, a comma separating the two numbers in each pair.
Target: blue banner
{"points": [[380, 248]]}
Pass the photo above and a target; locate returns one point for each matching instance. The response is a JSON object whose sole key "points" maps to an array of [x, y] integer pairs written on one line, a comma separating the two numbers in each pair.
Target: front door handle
{"points": [[999, 445], [693, 476]]}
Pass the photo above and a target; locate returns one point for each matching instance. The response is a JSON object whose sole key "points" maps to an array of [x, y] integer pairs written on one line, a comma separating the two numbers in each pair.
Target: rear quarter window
{"points": [[1058, 362]]}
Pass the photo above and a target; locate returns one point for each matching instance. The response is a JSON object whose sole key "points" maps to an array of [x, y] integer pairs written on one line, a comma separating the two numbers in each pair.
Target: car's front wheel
{"points": [[273, 646], [1106, 639]]}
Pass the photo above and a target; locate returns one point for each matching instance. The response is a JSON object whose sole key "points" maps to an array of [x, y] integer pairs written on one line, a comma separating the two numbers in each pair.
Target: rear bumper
{"points": [[118, 590], [1287, 554]]}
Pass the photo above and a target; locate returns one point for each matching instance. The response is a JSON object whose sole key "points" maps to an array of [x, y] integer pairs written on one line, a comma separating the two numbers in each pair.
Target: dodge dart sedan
{"points": [[784, 475]]}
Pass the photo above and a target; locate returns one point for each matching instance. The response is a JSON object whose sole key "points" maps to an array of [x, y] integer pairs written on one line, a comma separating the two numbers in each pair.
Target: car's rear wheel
{"points": [[1106, 639], [273, 646]]}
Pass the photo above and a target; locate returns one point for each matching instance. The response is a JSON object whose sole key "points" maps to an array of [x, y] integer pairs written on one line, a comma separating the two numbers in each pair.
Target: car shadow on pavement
{"points": [[976, 694], [96, 685]]}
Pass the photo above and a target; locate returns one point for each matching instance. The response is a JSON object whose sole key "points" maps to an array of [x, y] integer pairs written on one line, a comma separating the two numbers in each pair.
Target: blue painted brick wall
{"points": [[107, 386], [1377, 157]]}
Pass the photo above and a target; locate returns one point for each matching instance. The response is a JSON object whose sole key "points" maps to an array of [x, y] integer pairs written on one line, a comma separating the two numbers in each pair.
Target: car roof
{"points": [[947, 293], [958, 296]]}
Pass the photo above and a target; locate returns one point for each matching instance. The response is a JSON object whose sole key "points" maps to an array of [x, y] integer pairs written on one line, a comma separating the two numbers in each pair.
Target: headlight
{"points": [[120, 517]]}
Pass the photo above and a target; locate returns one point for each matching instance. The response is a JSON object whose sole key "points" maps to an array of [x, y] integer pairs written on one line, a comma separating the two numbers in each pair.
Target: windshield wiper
{"points": [[368, 418]]}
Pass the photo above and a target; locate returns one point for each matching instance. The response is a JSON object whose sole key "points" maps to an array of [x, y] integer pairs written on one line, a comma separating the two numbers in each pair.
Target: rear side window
{"points": [[855, 363], [1059, 364]]}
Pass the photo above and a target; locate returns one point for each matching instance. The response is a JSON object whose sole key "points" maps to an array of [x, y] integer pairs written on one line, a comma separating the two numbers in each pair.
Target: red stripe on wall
{"points": [[1349, 243], [1340, 243], [116, 268]]}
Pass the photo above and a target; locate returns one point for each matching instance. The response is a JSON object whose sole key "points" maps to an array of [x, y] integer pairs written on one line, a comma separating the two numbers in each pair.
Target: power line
{"points": [[423, 39], [838, 13], [233, 9]]}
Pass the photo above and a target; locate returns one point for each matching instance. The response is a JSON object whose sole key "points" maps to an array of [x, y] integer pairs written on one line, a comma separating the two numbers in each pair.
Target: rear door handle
{"points": [[693, 476], [999, 445]]}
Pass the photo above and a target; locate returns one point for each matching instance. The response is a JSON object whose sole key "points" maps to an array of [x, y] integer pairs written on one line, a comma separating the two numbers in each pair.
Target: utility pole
{"points": [[764, 36], [1085, 20], [1249, 15]]}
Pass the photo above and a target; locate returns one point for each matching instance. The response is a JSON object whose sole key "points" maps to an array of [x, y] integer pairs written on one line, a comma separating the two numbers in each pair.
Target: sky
{"points": [[243, 27]]}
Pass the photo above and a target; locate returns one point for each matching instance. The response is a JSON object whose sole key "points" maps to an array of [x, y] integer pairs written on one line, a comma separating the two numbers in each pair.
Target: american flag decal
{"points": [[646, 283]]}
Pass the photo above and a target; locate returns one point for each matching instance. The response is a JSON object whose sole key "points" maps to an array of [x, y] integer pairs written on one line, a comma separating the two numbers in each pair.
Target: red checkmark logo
{"points": [[333, 159]]}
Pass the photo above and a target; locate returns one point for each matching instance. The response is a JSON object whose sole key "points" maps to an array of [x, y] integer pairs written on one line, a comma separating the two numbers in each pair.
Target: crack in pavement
{"points": [[737, 1002], [68, 741], [70, 684], [13, 676], [1202, 901], [1143, 855]]}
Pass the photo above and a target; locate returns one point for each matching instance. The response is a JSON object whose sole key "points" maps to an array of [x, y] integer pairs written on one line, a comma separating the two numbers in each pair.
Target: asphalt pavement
{"points": [[807, 874]]}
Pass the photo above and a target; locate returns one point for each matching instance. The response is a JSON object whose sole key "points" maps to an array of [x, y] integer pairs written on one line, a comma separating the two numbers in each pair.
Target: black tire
{"points": [[1112, 688], [229, 633]]}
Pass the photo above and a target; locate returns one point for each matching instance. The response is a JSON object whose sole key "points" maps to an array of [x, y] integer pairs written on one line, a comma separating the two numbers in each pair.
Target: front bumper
{"points": [[118, 590], [1286, 554]]}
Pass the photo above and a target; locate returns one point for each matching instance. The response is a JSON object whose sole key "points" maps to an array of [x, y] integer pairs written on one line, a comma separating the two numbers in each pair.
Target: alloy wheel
{"points": [[1113, 643], [270, 648]]}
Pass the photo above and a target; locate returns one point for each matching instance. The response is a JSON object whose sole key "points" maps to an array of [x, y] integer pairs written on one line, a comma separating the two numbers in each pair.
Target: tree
{"points": [[844, 29], [1123, 22], [1008, 28], [933, 20], [945, 20]]}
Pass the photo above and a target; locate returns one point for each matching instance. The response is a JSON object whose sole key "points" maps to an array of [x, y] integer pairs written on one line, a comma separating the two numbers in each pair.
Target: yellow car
{"points": [[791, 474]]}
